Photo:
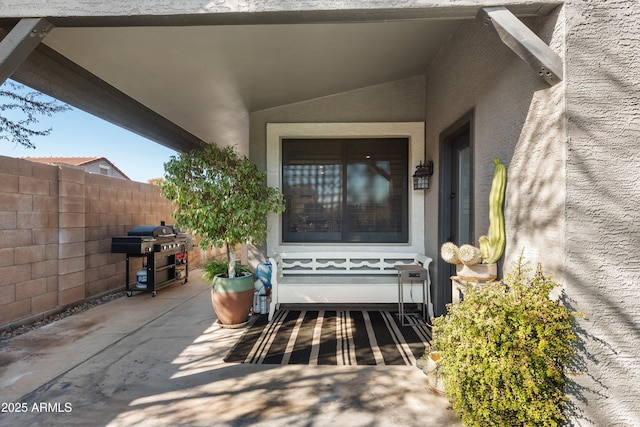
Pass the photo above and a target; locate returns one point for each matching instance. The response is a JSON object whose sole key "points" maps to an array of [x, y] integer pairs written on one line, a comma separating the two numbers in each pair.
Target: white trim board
{"points": [[414, 131]]}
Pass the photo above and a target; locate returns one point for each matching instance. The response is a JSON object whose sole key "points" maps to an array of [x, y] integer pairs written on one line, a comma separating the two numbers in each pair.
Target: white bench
{"points": [[342, 278]]}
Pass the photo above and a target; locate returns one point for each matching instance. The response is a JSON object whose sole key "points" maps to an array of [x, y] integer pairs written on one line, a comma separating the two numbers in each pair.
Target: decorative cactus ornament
{"points": [[449, 253], [469, 255], [492, 246]]}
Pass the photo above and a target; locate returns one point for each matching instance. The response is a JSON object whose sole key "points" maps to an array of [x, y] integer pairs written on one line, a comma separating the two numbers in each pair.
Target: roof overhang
{"points": [[181, 78]]}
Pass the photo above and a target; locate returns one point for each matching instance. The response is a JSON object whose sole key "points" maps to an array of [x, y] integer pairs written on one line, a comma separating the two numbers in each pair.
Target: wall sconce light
{"points": [[422, 174]]}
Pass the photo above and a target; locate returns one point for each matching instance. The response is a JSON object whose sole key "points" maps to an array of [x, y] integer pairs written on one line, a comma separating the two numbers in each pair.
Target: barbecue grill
{"points": [[163, 252]]}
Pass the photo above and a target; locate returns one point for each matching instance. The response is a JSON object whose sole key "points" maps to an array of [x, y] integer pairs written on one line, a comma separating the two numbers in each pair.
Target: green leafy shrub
{"points": [[215, 266], [505, 349]]}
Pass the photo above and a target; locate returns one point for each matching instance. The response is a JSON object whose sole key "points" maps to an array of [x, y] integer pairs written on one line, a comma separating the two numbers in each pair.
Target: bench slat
{"points": [[345, 280]]}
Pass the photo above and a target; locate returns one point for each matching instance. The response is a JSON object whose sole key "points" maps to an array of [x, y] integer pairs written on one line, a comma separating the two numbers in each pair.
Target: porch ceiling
{"points": [[206, 75], [199, 77]]}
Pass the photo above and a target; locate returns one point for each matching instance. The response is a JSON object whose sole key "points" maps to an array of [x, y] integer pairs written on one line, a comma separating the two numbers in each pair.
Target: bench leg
{"points": [[272, 308]]}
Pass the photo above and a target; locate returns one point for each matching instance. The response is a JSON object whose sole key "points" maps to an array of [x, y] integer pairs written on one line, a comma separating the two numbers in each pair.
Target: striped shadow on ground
{"points": [[332, 338]]}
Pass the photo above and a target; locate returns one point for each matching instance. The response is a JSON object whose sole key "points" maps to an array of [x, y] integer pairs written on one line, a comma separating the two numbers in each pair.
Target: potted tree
{"points": [[222, 198]]}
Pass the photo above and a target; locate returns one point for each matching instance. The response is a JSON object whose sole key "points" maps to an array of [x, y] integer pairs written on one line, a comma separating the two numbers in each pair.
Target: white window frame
{"points": [[414, 131]]}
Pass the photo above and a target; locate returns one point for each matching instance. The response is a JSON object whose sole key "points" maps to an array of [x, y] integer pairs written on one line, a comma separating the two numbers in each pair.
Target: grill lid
{"points": [[151, 230]]}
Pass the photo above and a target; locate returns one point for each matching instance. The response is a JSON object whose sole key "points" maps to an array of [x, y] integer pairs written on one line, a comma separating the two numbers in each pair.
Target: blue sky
{"points": [[75, 133]]}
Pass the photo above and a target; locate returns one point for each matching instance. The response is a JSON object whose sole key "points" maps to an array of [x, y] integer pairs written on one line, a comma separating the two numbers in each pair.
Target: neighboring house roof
{"points": [[75, 161]]}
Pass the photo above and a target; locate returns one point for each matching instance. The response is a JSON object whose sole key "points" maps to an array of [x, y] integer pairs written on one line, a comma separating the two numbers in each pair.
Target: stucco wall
{"points": [[398, 101], [603, 212], [571, 199], [249, 11], [517, 118], [103, 167]]}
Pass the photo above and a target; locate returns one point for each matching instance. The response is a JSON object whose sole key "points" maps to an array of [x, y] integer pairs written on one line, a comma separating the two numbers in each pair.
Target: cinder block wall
{"points": [[56, 225], [111, 208], [28, 238]]}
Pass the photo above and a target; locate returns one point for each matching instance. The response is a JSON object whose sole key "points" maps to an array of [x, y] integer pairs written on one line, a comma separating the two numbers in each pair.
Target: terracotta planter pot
{"points": [[478, 272], [232, 299]]}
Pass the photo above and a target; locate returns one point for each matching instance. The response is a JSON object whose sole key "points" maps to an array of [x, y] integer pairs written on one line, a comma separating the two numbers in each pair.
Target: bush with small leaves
{"points": [[505, 349]]}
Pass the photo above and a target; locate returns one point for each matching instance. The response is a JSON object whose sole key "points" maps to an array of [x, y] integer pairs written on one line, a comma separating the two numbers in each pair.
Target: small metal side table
{"points": [[412, 273]]}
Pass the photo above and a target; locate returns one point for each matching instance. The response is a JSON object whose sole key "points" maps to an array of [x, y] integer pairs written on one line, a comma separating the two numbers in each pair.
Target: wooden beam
{"points": [[524, 42], [47, 71], [25, 36]]}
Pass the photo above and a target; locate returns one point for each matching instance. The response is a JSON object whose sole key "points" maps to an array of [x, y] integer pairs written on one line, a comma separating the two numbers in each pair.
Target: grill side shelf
{"points": [[162, 249], [163, 269]]}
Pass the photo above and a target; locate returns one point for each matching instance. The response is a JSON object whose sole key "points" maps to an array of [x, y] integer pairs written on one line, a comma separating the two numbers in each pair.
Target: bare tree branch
{"points": [[29, 105]]}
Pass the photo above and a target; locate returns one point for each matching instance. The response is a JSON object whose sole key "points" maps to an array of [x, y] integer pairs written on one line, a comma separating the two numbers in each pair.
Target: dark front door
{"points": [[456, 201]]}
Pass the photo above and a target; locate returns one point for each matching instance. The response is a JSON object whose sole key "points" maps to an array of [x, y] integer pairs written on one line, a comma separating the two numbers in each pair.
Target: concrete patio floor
{"points": [[158, 362]]}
